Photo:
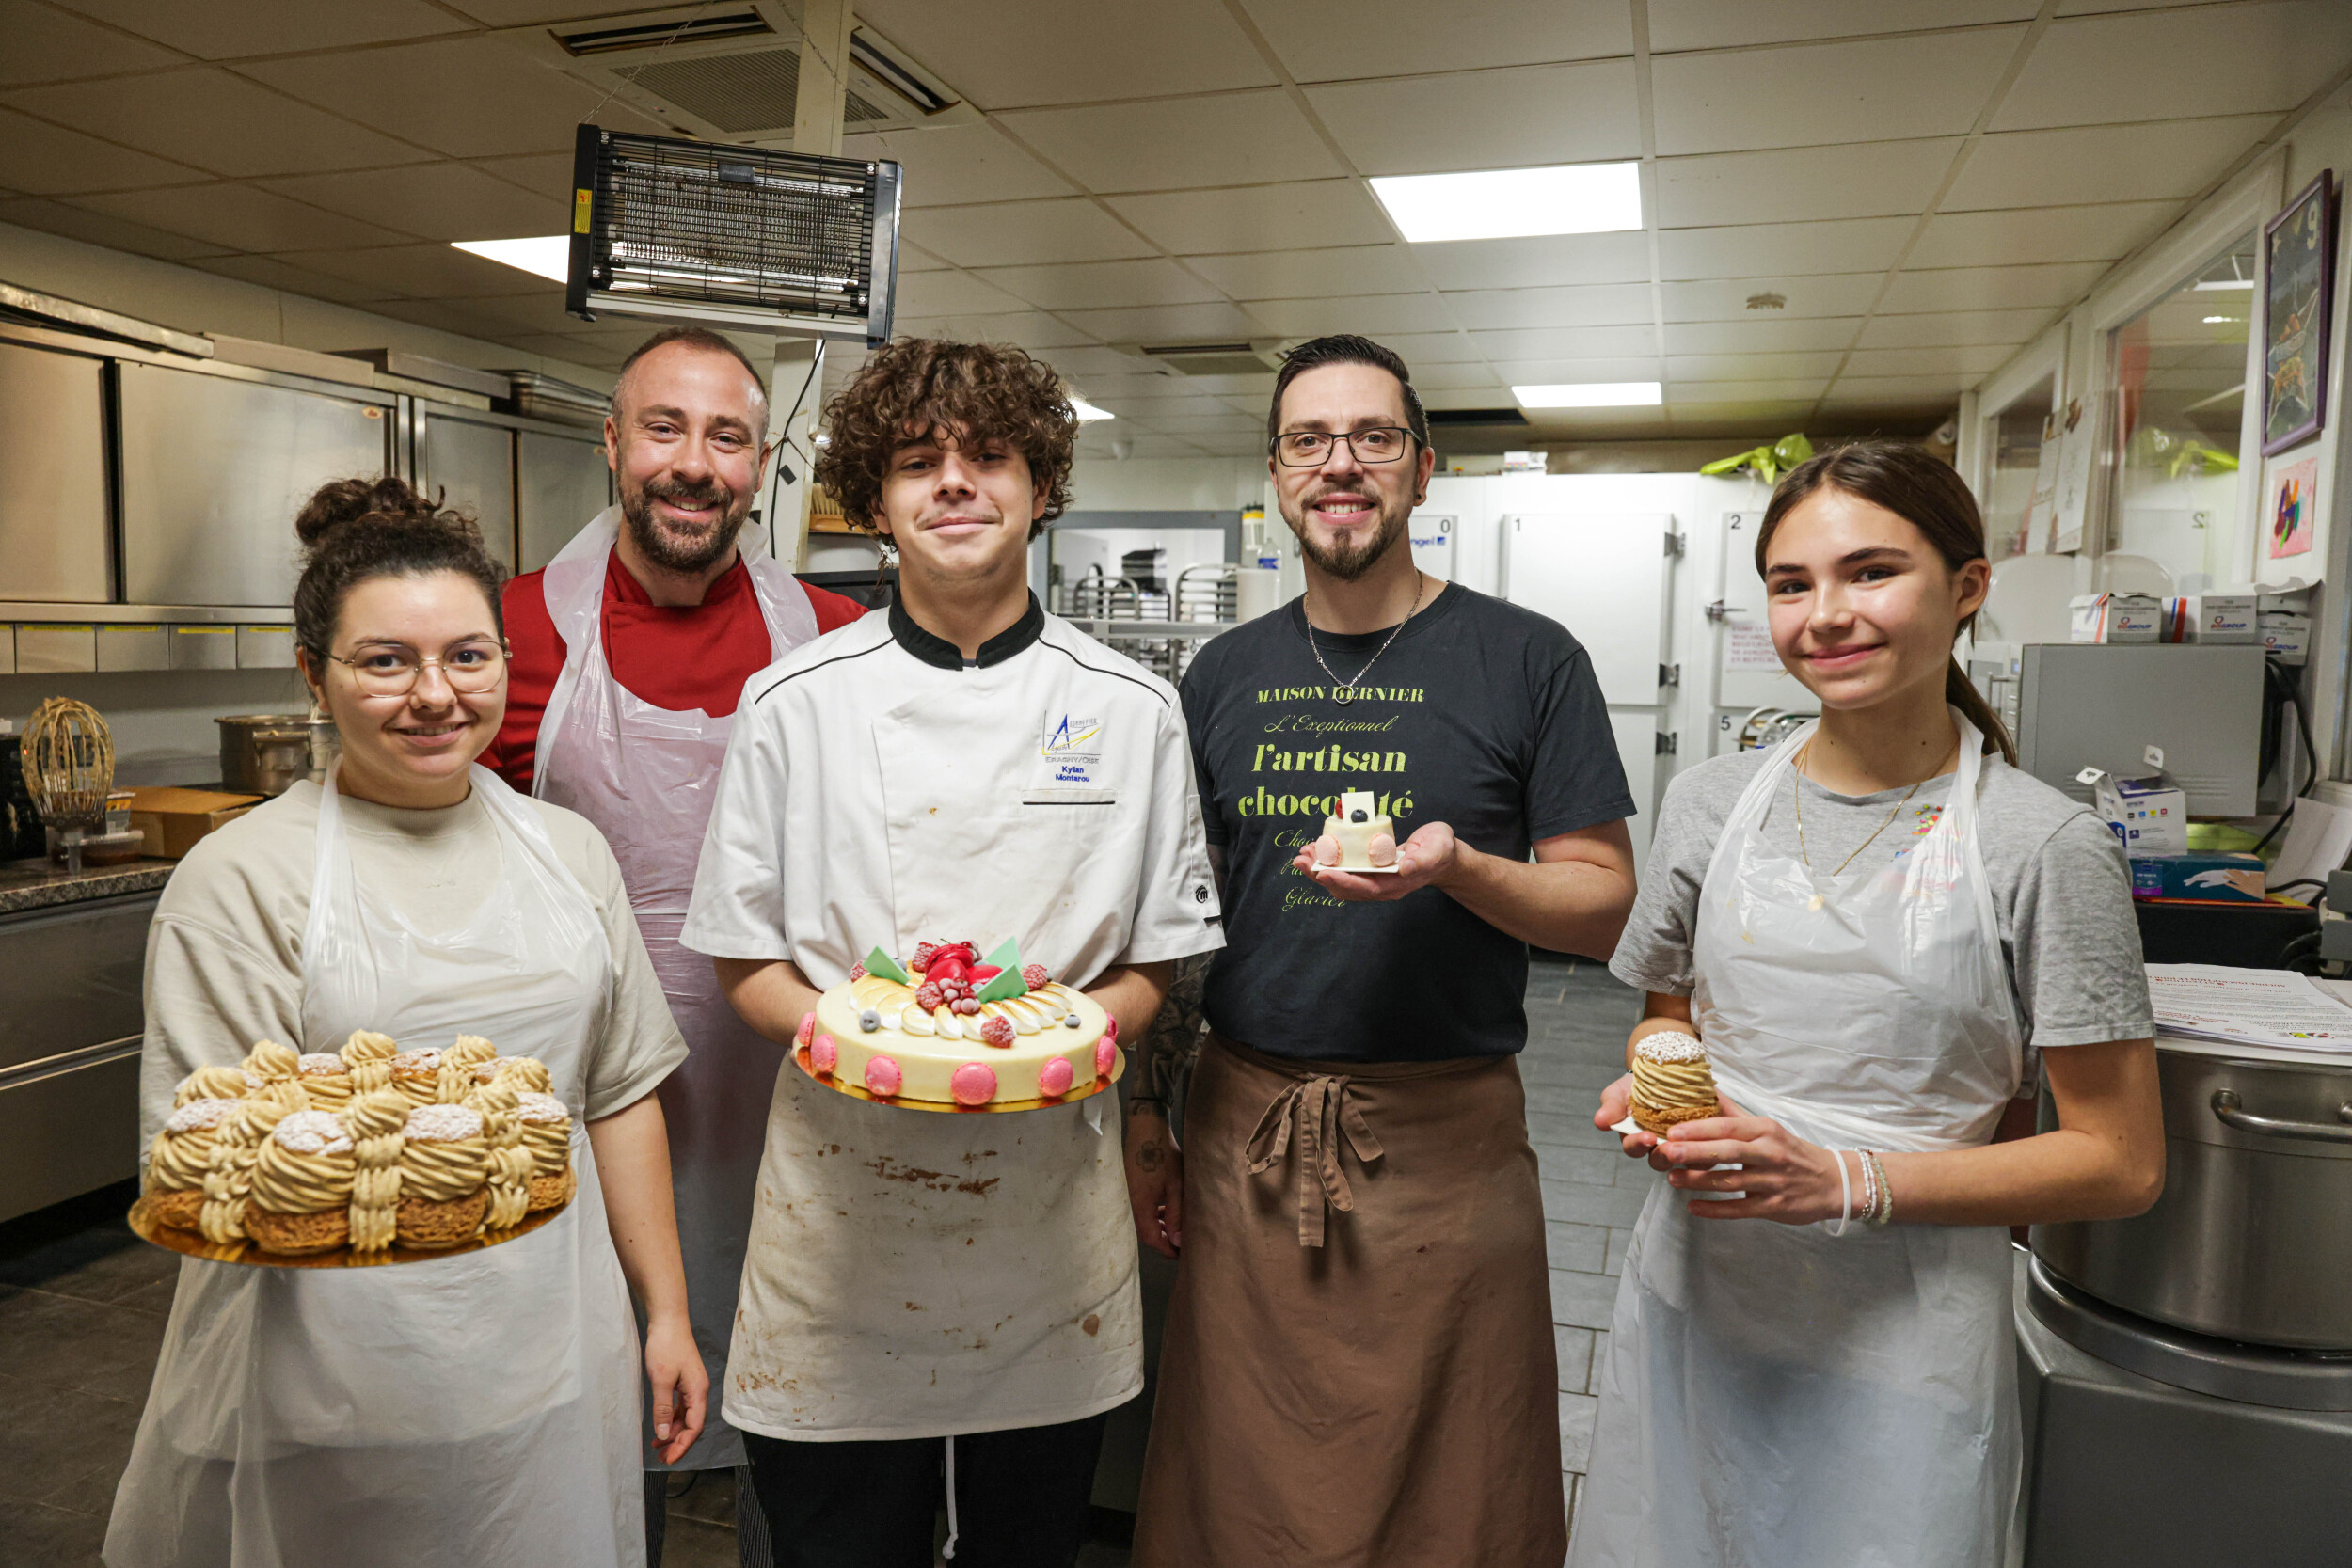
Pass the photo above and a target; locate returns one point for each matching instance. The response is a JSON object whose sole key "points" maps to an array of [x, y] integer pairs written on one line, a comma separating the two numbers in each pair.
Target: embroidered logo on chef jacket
{"points": [[1070, 768]]}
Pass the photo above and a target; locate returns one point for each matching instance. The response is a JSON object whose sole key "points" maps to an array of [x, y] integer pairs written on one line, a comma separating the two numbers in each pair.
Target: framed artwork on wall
{"points": [[2298, 294]]}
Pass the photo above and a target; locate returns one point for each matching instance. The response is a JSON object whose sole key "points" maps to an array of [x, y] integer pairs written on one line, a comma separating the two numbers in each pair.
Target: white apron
{"points": [[646, 776], [1776, 1397], [467, 1410]]}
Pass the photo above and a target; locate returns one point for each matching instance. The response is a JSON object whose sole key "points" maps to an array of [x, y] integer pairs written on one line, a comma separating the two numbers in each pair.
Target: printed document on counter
{"points": [[2256, 1006]]}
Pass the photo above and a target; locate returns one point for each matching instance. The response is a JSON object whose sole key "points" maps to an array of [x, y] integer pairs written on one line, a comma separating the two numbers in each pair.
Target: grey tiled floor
{"points": [[83, 1302], [1578, 1018]]}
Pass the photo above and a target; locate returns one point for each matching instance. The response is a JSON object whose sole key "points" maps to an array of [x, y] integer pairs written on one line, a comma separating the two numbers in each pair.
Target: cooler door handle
{"points": [[2229, 1111]]}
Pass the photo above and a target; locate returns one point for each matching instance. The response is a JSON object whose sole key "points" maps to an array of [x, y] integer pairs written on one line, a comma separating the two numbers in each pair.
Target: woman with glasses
{"points": [[475, 1408]]}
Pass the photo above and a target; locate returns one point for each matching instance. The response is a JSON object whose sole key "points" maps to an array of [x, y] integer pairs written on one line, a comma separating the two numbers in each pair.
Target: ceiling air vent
{"points": [[1457, 418], [1227, 359], [733, 73]]}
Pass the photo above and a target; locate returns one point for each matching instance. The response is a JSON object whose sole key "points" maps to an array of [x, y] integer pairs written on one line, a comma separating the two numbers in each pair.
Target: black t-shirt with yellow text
{"points": [[1481, 714]]}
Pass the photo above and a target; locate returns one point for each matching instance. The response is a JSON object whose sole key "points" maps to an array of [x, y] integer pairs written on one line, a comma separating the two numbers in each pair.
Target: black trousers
{"points": [[1021, 1497]]}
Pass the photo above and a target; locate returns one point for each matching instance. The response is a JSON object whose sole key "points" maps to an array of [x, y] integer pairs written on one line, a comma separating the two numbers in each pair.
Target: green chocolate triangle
{"points": [[1008, 985], [881, 963]]}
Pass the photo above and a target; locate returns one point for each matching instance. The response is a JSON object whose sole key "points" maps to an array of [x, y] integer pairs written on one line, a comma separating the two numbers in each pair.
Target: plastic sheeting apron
{"points": [[469, 1410], [646, 776], [1776, 1397]]}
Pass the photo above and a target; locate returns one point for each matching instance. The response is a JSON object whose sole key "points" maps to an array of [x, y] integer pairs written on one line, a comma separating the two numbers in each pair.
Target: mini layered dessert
{"points": [[508, 1177], [444, 1162], [418, 1074], [301, 1199], [952, 1030], [325, 1077], [182, 1152], [1672, 1082], [1358, 838], [546, 1134], [369, 1056]]}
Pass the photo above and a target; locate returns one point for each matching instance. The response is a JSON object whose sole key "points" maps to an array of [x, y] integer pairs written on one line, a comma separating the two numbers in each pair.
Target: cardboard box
{"points": [[172, 821], [2287, 636], [2211, 618], [2116, 618], [2210, 878], [2149, 815]]}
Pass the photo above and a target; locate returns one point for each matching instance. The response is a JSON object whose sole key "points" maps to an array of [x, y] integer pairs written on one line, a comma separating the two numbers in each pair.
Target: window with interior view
{"points": [[2179, 398]]}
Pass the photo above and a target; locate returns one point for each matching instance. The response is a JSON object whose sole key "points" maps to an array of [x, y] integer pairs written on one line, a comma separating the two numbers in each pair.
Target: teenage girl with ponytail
{"points": [[1874, 929]]}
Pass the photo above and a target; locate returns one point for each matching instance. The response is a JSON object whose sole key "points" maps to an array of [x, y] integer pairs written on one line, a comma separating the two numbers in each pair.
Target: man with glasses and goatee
{"points": [[1358, 1367]]}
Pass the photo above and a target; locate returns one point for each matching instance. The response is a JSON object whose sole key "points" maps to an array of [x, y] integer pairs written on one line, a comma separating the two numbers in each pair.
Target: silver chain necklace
{"points": [[1344, 692]]}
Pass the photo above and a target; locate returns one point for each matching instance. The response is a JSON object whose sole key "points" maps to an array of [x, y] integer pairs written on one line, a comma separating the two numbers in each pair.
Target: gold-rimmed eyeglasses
{"points": [[1308, 449], [393, 671]]}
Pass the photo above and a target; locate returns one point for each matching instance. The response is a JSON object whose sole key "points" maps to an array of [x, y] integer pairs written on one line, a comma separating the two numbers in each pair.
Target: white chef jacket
{"points": [[911, 1273]]}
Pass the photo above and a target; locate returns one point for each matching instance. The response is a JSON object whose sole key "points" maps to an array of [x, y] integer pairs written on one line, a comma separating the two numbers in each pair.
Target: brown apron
{"points": [[1359, 1369]]}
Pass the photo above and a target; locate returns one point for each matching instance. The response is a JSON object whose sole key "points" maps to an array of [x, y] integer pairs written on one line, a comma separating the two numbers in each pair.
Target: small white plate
{"points": [[1359, 870], [1627, 1126]]}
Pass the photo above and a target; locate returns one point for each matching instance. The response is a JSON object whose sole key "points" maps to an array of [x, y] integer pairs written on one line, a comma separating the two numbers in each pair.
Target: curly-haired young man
{"points": [[966, 766]]}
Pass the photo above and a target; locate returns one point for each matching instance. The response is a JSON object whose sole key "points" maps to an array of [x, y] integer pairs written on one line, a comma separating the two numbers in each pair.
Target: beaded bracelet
{"points": [[1882, 1209]]}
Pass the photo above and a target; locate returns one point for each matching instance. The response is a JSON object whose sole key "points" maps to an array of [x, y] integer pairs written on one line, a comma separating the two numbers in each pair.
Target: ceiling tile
{"points": [[1259, 218], [43, 159], [1031, 329], [1433, 348], [1071, 228], [1897, 389], [206, 117], [2097, 233], [46, 44], [1965, 361], [470, 98], [435, 201], [955, 164], [914, 258], [1377, 269], [1782, 337], [1528, 263], [1753, 367], [1837, 294], [1092, 360], [1576, 343], [423, 272], [952, 293], [219, 32], [1072, 50], [1675, 25], [1552, 114], [75, 222], [444, 315], [1330, 40], [1174, 323], [1205, 425], [1868, 180], [1873, 90], [2123, 163], [1369, 315], [1783, 249], [1543, 371], [1442, 378], [1160, 389], [238, 217], [1594, 305], [272, 273], [1688, 393], [1990, 288], [1939, 328], [1228, 139], [547, 173], [1093, 285], [2209, 60]]}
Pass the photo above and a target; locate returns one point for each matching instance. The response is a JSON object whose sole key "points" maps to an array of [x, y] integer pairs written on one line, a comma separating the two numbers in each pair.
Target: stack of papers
{"points": [[2248, 1006]]}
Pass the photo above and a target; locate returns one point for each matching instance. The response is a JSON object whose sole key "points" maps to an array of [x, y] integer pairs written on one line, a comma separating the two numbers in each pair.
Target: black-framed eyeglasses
{"points": [[1310, 448], [392, 670]]}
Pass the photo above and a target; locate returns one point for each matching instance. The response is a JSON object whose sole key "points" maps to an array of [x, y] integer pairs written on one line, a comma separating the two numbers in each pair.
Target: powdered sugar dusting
{"points": [[314, 1133], [322, 1064], [1670, 1045], [199, 1114], [540, 1107], [443, 1124], [422, 1060]]}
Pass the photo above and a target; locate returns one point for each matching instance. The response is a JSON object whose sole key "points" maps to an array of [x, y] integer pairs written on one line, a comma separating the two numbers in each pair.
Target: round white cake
{"points": [[1045, 1041]]}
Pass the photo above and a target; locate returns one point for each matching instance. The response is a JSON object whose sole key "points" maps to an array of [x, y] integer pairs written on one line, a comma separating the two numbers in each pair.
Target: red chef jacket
{"points": [[691, 657]]}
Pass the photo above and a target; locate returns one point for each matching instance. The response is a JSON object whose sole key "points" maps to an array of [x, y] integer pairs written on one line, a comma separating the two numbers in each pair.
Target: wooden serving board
{"points": [[840, 1085], [190, 1244]]}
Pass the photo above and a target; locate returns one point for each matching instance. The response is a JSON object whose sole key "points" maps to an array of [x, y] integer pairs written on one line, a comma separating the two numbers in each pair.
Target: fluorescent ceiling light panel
{"points": [[1591, 394], [1086, 411], [548, 255], [1505, 203], [2227, 284]]}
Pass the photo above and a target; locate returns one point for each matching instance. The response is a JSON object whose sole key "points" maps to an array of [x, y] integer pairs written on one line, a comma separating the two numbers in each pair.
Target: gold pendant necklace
{"points": [[1796, 795]]}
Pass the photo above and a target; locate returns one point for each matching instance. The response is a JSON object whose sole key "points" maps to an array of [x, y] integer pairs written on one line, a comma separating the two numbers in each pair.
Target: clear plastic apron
{"points": [[646, 776], [475, 1409], [1776, 1397]]}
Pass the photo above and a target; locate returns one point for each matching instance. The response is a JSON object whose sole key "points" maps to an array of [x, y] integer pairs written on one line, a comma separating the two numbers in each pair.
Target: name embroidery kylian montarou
{"points": [[1072, 748]]}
